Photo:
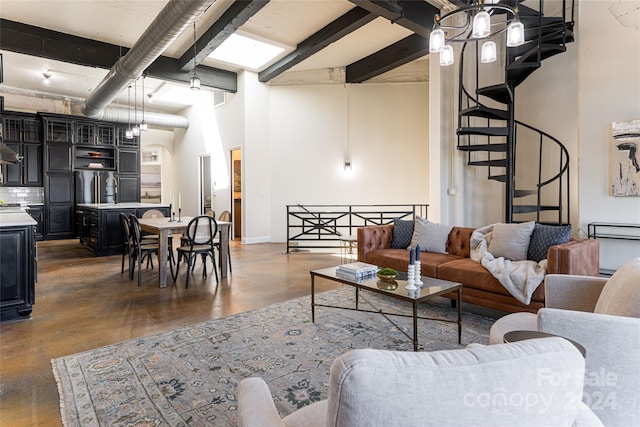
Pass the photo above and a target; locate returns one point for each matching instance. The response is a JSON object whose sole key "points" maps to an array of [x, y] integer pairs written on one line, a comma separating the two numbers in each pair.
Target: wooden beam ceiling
{"points": [[44, 43], [347, 23], [399, 53]]}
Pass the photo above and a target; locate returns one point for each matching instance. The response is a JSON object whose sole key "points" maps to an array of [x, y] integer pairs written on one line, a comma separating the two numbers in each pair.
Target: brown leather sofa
{"points": [[577, 256]]}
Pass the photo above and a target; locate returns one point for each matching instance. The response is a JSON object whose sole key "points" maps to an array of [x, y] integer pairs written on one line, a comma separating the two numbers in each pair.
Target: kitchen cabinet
{"points": [[123, 141], [94, 146], [128, 188], [22, 133], [37, 213], [59, 205], [128, 160], [99, 228], [18, 273]]}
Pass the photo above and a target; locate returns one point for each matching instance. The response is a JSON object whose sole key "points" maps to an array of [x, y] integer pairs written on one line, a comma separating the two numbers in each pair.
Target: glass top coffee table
{"points": [[393, 289]]}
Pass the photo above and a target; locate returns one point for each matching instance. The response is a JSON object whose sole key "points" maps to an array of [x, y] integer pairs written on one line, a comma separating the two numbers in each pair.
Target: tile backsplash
{"points": [[22, 195]]}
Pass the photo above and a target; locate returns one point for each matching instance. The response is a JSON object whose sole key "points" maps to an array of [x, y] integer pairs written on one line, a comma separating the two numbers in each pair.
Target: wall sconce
{"points": [[347, 165]]}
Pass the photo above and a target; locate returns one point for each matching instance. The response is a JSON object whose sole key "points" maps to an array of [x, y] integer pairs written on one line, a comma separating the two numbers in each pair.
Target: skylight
{"points": [[246, 52]]}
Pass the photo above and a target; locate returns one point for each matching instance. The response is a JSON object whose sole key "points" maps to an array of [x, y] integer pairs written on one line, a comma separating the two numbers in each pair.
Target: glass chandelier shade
{"points": [[488, 53], [515, 33], [436, 40], [481, 25], [446, 55]]}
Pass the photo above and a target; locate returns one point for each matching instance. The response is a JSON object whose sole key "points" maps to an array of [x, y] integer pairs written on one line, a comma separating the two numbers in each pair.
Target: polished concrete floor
{"points": [[84, 302]]}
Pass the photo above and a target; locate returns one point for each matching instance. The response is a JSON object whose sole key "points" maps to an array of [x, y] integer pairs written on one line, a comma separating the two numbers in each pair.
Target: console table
{"points": [[611, 230]]}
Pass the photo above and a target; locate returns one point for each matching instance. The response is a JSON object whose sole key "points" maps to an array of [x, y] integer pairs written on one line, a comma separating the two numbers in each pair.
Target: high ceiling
{"points": [[77, 41]]}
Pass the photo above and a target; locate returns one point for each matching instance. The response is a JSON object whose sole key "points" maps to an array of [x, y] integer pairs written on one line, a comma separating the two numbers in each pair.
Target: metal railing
{"points": [[324, 226]]}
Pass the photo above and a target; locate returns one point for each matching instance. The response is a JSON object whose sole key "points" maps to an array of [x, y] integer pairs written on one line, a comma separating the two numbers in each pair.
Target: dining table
{"points": [[164, 227]]}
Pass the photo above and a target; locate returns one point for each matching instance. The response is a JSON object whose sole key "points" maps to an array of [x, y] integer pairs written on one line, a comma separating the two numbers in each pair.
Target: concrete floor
{"points": [[84, 302]]}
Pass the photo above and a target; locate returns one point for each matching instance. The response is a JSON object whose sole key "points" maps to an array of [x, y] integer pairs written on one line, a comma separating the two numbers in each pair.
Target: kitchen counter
{"points": [[13, 219], [122, 205]]}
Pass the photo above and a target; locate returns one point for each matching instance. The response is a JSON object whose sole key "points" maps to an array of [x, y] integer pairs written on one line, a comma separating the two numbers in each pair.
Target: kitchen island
{"points": [[18, 261], [98, 224]]}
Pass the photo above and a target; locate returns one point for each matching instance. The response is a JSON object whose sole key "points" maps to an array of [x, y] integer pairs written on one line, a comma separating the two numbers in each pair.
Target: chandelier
{"points": [[477, 25]]}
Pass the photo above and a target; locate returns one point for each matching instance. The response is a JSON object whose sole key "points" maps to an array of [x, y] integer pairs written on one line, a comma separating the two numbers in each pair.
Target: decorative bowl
{"points": [[387, 274], [94, 154]]}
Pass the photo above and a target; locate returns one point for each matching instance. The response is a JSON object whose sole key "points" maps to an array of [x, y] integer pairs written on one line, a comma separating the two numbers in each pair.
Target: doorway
{"points": [[206, 189], [236, 194]]}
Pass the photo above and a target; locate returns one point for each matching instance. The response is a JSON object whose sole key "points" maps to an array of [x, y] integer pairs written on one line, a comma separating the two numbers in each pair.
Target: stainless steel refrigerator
{"points": [[96, 187]]}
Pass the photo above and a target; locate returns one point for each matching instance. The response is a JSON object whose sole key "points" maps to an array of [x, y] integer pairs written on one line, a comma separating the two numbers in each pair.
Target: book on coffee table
{"points": [[357, 270]]}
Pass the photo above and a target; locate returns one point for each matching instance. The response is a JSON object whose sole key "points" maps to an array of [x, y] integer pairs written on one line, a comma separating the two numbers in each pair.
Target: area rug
{"points": [[189, 376]]}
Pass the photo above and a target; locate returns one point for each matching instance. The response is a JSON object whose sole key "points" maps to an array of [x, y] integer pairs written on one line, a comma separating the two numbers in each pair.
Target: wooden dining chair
{"points": [[201, 232], [140, 250], [150, 237], [224, 216]]}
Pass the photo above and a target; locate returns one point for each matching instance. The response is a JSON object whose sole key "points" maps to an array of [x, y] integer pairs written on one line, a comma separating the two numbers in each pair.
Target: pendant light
{"points": [[135, 130], [143, 123], [195, 80], [129, 134], [515, 33], [488, 53], [436, 40], [481, 25], [446, 55]]}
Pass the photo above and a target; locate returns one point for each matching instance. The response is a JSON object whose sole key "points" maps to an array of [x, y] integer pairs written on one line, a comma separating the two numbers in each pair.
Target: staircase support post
{"points": [[509, 172]]}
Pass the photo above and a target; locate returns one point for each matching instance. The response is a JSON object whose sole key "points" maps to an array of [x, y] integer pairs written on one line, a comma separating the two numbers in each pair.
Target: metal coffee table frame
{"points": [[431, 288]]}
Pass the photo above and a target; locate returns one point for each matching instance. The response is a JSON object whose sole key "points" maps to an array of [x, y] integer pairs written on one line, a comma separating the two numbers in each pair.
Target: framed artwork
{"points": [[625, 158]]}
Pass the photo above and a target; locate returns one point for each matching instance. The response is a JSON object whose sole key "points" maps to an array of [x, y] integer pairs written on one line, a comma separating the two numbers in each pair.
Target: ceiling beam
{"points": [[414, 15], [399, 53], [44, 43], [347, 23], [233, 18]]}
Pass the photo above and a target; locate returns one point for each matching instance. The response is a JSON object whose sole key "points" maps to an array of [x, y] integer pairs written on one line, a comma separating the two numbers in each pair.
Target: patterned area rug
{"points": [[189, 376]]}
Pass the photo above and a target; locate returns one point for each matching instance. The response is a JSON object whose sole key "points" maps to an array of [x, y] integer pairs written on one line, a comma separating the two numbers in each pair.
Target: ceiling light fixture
{"points": [[195, 80], [143, 123], [477, 26], [135, 130], [129, 134]]}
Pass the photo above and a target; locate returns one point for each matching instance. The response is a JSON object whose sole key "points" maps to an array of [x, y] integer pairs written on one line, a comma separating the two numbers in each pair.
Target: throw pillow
{"points": [[402, 233], [621, 294], [545, 236], [431, 237], [511, 241]]}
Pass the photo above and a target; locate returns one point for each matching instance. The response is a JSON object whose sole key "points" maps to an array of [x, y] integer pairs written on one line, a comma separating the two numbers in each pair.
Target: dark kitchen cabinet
{"points": [[123, 141], [23, 135], [18, 272], [59, 202], [37, 213], [128, 160], [99, 229], [129, 188]]}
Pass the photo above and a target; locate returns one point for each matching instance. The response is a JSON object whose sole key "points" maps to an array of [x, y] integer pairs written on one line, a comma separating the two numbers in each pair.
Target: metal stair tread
{"points": [[483, 147], [492, 163], [533, 208], [486, 131], [500, 93], [524, 193], [485, 112]]}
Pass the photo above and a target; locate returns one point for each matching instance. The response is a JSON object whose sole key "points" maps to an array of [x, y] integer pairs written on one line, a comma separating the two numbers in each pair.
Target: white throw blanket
{"points": [[520, 278]]}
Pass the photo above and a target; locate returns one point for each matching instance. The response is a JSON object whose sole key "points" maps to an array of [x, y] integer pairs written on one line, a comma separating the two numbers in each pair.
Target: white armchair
{"points": [[500, 385], [604, 317]]}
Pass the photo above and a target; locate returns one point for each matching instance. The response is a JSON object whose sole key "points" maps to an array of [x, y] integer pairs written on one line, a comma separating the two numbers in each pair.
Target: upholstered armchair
{"points": [[604, 317], [500, 385]]}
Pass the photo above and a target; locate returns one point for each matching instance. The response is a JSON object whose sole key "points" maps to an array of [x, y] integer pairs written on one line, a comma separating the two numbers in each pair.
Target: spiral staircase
{"points": [[533, 165]]}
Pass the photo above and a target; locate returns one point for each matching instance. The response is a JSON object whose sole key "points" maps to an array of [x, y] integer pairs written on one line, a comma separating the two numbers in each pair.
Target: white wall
{"points": [[387, 145], [609, 90]]}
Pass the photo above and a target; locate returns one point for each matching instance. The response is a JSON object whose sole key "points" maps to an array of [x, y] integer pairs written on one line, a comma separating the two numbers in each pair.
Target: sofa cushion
{"points": [[431, 237], [545, 236], [621, 294], [459, 242], [511, 241], [402, 233], [398, 259], [473, 275]]}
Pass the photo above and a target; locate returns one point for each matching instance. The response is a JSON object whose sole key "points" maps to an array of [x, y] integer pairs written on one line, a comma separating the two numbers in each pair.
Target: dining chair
{"points": [[140, 250], [201, 232], [224, 216], [150, 237], [127, 249]]}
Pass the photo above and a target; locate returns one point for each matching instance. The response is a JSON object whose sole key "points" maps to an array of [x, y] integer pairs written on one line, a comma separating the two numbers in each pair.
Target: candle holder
{"points": [[170, 211], [417, 274], [179, 214], [411, 278], [173, 217]]}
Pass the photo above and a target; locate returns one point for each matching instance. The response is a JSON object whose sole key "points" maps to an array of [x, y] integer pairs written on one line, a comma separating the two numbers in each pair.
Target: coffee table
{"points": [[396, 290]]}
